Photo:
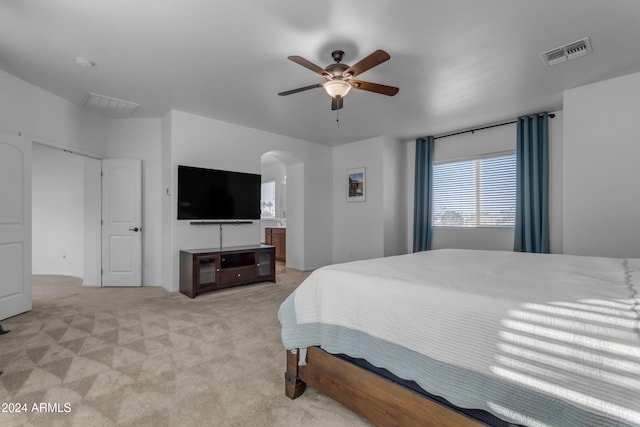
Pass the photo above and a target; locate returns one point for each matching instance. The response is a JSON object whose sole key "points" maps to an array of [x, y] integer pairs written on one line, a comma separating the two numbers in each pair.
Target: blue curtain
{"points": [[423, 194], [532, 185]]}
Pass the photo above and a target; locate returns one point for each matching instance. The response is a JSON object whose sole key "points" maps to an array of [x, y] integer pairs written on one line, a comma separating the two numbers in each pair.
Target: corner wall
{"points": [[374, 227], [395, 196], [49, 119], [601, 172]]}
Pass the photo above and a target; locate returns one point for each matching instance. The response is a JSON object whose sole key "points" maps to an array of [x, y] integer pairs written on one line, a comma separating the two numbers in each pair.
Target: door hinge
{"points": [[101, 272]]}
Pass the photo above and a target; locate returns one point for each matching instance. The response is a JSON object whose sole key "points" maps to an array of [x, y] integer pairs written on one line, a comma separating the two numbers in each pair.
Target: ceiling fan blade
{"points": [[376, 58], [374, 87], [337, 103], [300, 89], [307, 64]]}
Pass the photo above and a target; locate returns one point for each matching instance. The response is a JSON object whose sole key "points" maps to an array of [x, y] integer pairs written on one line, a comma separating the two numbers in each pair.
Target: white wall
{"points": [[358, 231], [296, 197], [142, 139], [49, 119], [203, 142], [556, 183], [167, 217], [92, 218], [493, 140], [601, 172], [395, 196], [374, 227], [318, 199]]}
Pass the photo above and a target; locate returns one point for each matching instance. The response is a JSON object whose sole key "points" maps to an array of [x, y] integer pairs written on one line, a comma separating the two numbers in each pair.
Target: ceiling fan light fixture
{"points": [[337, 88], [339, 77]]}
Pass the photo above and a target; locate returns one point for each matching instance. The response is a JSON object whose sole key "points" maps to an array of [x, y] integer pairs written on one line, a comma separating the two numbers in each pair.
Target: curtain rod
{"points": [[551, 116]]}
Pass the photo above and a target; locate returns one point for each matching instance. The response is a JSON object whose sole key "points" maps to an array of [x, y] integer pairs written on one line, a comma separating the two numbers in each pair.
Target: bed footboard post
{"points": [[294, 387]]}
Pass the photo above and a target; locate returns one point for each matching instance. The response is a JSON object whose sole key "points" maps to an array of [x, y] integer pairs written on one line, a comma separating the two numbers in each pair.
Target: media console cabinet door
{"points": [[207, 270], [266, 264]]}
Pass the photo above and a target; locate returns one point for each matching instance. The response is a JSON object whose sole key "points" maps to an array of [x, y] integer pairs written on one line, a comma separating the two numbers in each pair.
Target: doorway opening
{"points": [[282, 216], [65, 214]]}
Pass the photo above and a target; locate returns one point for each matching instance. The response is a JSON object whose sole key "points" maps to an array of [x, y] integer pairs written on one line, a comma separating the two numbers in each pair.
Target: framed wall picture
{"points": [[356, 188]]}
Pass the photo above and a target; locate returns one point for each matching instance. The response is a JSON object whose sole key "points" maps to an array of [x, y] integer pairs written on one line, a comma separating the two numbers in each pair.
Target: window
{"points": [[268, 200], [475, 193]]}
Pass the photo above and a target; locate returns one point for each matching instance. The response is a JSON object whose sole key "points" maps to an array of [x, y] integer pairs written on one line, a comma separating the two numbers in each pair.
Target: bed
{"points": [[488, 338]]}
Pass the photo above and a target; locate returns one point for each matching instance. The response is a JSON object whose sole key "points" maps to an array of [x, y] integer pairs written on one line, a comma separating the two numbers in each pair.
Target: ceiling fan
{"points": [[339, 77]]}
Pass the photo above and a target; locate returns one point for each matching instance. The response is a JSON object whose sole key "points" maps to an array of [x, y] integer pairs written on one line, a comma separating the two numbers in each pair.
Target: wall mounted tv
{"points": [[210, 194]]}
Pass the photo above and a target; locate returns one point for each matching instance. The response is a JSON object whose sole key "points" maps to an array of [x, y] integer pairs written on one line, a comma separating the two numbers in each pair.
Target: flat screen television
{"points": [[210, 194]]}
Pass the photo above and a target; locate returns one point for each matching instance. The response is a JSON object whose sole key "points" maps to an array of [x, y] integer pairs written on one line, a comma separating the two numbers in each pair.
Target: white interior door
{"points": [[121, 222], [15, 225]]}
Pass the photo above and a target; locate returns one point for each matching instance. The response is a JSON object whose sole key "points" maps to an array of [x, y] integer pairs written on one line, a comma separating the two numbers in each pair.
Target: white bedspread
{"points": [[473, 326]]}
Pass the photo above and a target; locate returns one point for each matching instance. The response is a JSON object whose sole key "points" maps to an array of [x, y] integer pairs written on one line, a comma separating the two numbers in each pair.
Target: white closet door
{"points": [[121, 222]]}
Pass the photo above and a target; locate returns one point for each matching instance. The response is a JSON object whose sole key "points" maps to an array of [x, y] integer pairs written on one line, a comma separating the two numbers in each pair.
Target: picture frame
{"points": [[356, 185]]}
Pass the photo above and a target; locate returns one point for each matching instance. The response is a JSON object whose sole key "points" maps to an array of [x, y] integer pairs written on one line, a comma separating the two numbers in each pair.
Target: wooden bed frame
{"points": [[377, 399]]}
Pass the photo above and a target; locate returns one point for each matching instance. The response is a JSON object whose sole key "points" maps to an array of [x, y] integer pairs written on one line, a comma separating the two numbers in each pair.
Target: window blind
{"points": [[475, 192]]}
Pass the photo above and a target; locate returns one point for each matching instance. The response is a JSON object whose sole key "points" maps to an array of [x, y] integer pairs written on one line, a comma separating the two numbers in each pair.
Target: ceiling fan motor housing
{"points": [[337, 71]]}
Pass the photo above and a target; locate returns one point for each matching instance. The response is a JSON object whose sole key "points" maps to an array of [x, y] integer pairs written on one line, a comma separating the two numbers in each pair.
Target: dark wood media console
{"points": [[203, 270]]}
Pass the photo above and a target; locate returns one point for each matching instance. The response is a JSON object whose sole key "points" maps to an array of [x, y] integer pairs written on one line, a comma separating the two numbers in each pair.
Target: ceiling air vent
{"points": [[110, 106], [564, 53]]}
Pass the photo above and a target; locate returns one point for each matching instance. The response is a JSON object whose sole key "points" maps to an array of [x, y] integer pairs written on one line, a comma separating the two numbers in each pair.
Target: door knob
{"points": [[135, 229]]}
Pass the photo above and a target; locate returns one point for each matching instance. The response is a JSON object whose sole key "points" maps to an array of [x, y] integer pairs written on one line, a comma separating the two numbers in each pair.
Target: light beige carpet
{"points": [[146, 357]]}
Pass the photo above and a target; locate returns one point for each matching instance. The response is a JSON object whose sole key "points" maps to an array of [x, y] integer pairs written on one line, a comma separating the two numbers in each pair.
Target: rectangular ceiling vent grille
{"points": [[109, 106], [570, 51]]}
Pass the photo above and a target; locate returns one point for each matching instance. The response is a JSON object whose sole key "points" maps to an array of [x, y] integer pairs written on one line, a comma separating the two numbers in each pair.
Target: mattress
{"points": [[539, 340]]}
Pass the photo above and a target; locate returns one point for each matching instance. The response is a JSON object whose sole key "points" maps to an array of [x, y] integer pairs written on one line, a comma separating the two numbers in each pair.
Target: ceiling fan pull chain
{"points": [[337, 118]]}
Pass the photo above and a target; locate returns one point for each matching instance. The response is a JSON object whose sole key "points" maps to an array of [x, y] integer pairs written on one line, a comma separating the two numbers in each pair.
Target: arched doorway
{"points": [[283, 178]]}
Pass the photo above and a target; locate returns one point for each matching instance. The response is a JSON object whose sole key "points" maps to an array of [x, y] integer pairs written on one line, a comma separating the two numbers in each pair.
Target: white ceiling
{"points": [[458, 63]]}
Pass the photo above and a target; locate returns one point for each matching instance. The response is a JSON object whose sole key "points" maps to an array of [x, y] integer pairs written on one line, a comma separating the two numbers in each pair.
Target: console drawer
{"points": [[237, 274]]}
